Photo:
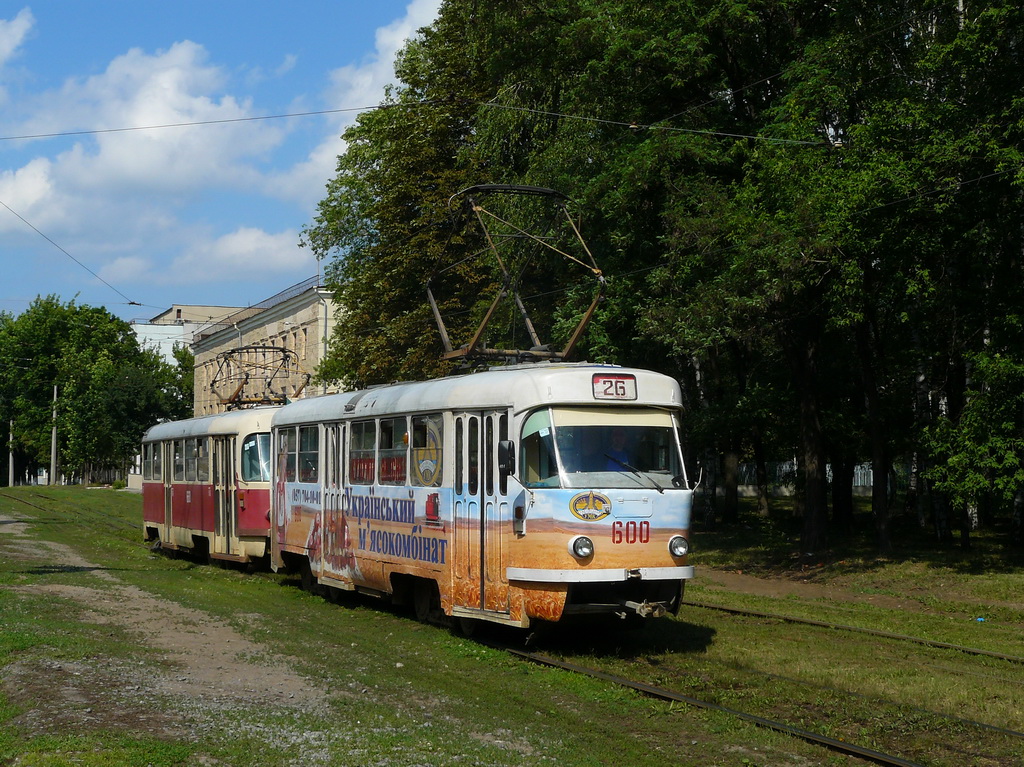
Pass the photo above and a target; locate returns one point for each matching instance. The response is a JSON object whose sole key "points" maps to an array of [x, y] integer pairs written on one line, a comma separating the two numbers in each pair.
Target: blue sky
{"points": [[207, 214]]}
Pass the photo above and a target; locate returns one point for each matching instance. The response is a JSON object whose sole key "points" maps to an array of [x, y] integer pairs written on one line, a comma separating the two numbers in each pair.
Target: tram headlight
{"points": [[581, 547], [678, 546]]}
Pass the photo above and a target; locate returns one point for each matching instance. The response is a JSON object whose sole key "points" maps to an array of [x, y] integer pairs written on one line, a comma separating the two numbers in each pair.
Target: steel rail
{"points": [[859, 630], [833, 744]]}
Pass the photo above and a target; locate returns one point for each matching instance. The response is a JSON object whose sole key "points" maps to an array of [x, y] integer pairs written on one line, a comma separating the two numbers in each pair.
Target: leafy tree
{"points": [[108, 389], [808, 214]]}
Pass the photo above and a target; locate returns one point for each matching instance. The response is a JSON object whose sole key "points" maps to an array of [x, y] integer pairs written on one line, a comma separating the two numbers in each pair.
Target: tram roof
{"points": [[520, 387], [246, 420]]}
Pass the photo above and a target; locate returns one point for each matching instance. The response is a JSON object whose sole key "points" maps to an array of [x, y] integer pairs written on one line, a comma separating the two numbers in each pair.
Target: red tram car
{"points": [[206, 484]]}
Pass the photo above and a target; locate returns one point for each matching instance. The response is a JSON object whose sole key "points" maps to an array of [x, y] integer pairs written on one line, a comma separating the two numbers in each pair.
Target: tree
{"points": [[810, 215], [108, 389]]}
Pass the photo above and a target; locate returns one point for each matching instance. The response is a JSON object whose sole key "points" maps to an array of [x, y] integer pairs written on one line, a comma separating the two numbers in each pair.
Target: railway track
{"points": [[831, 744], [111, 521], [859, 630], [660, 693]]}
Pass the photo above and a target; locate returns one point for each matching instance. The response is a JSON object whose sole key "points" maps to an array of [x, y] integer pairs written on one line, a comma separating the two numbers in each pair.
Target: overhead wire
{"points": [[655, 126], [35, 229]]}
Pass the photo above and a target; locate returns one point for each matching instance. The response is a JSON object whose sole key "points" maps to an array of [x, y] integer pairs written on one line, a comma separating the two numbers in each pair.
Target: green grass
{"points": [[398, 692]]}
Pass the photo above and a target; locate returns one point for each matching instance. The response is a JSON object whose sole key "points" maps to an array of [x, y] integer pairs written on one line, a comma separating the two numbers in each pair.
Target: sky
{"points": [[138, 220]]}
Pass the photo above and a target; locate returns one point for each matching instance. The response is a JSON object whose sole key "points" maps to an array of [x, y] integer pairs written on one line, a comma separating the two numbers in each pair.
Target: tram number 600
{"points": [[631, 532]]}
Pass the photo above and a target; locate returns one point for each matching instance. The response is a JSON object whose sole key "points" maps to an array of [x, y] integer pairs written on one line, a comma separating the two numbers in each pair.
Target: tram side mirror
{"points": [[506, 457]]}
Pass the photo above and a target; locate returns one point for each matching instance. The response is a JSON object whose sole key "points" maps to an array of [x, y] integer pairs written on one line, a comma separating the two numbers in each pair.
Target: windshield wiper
{"points": [[636, 471]]}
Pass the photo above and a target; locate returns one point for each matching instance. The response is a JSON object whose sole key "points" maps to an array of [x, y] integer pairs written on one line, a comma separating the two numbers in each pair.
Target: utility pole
{"points": [[10, 458], [53, 441]]}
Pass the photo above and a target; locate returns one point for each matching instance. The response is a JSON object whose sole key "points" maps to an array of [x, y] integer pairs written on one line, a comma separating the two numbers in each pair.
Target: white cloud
{"points": [[287, 65], [121, 192], [130, 204], [353, 87], [247, 253], [13, 34], [27, 191], [127, 269], [170, 87]]}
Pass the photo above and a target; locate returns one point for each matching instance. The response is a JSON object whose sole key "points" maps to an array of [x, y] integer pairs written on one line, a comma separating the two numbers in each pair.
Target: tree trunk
{"points": [[730, 481], [761, 468], [804, 359], [1017, 519], [842, 493], [877, 438], [940, 514]]}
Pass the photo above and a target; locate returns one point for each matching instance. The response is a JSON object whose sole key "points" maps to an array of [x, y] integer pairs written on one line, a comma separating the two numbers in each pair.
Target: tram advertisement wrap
{"points": [[394, 525], [368, 523]]}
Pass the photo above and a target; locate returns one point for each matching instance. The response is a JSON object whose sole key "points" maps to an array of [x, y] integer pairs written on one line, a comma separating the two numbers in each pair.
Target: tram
{"points": [[206, 485], [514, 495]]}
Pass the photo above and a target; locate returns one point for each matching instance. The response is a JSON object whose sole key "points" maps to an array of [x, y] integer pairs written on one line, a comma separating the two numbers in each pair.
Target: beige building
{"points": [[264, 351]]}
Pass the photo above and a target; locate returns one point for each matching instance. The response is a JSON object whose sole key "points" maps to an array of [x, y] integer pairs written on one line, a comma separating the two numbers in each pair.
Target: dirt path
{"points": [[207, 666]]}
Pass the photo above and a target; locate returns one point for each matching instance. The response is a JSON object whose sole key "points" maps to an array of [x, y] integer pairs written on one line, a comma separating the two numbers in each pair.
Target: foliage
{"points": [[108, 390], [983, 451], [808, 214]]}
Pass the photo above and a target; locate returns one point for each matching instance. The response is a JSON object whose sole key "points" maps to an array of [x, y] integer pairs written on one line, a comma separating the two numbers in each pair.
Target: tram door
{"points": [[167, 463], [332, 529], [481, 513], [224, 498]]}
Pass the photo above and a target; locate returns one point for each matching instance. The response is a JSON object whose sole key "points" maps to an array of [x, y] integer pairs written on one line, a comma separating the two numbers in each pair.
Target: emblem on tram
{"points": [[590, 506]]}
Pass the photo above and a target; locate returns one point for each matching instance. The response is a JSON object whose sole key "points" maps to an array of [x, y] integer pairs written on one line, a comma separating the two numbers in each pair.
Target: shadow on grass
{"points": [[613, 638], [769, 545], [68, 569]]}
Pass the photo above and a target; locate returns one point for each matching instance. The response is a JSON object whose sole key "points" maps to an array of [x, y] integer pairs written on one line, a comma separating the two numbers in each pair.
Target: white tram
{"points": [[516, 494], [206, 484]]}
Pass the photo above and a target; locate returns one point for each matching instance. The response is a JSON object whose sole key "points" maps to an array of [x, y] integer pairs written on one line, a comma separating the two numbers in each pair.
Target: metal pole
{"points": [[10, 458], [53, 441]]}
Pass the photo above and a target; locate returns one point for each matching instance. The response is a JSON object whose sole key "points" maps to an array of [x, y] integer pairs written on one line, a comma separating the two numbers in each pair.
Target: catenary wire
{"points": [[31, 226]]}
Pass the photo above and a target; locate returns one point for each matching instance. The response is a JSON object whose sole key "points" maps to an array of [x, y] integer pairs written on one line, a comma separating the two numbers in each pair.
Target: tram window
{"points": [[331, 457], [190, 460], [489, 455], [309, 454], [203, 460], [179, 461], [256, 458], [473, 438], [459, 470], [394, 447], [502, 436], [540, 469], [157, 449], [362, 440], [147, 462], [286, 449], [427, 450]]}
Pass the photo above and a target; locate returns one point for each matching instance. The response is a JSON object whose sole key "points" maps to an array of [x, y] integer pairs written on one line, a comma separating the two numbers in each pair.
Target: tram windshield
{"points": [[256, 458], [601, 448]]}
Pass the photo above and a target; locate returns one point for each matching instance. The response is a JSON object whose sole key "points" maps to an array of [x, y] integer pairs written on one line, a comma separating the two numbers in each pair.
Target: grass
{"points": [[398, 692]]}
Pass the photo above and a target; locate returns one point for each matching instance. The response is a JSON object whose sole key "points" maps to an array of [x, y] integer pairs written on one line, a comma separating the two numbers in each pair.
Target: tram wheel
{"points": [[306, 576], [426, 601]]}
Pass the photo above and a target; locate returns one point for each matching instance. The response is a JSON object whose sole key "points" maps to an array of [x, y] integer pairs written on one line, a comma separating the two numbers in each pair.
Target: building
{"points": [[177, 326], [243, 350]]}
